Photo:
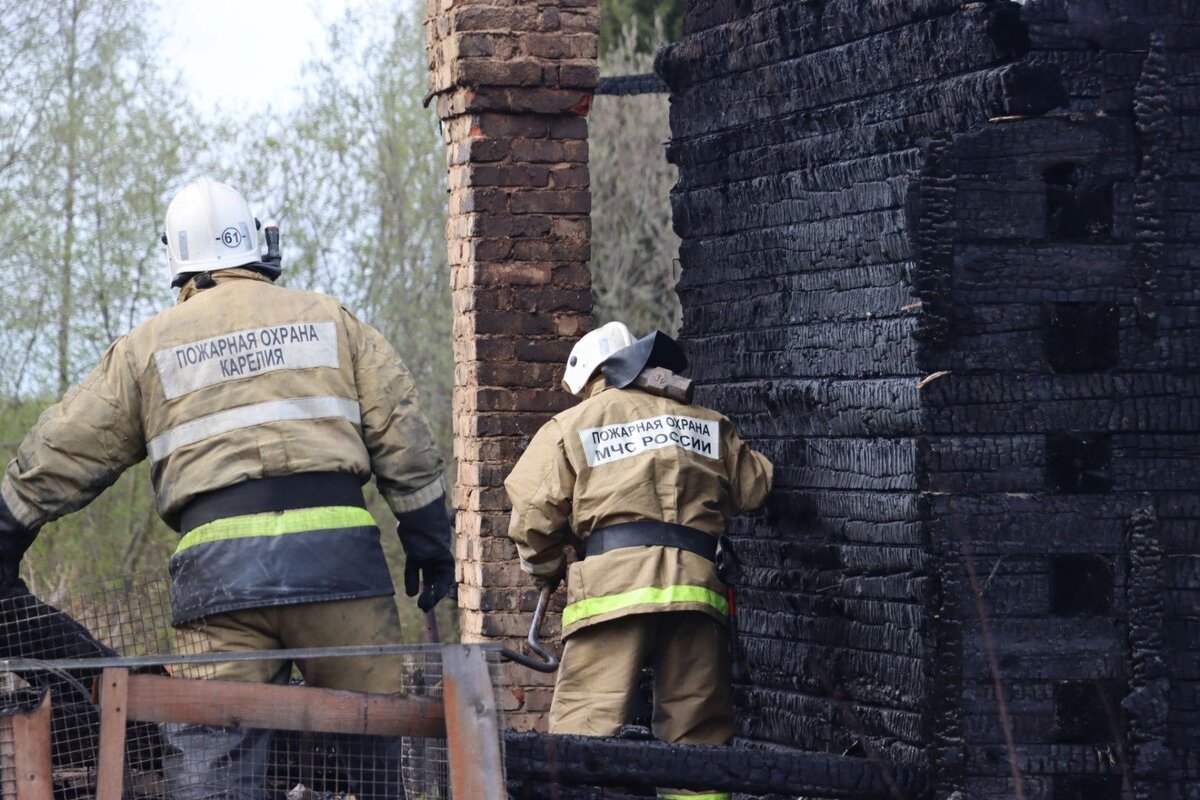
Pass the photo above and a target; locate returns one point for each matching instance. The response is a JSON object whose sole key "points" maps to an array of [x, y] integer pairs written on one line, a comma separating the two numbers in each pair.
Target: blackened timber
{"points": [[1040, 403], [743, 43], [873, 127], [879, 347], [824, 407], [966, 41], [938, 258], [585, 761]]}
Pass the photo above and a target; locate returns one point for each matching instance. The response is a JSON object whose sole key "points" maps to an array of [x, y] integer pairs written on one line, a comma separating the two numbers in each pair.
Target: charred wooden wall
{"points": [[940, 262]]}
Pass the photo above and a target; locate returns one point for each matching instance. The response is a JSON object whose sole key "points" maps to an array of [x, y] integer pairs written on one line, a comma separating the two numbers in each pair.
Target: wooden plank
{"points": [[472, 728], [114, 694], [154, 698], [31, 753]]}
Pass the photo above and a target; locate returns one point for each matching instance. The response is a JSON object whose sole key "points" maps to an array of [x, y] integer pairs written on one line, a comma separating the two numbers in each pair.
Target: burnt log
{"points": [[535, 760]]}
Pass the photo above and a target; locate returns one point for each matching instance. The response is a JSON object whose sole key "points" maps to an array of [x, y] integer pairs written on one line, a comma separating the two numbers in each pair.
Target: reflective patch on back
{"points": [[625, 440], [240, 354]]}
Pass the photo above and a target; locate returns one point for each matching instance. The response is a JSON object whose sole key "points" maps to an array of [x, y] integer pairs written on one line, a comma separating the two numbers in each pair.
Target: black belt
{"points": [[281, 493], [640, 534]]}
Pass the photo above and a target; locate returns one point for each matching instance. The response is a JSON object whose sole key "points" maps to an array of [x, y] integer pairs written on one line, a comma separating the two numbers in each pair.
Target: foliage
{"points": [[634, 249], [88, 158], [89, 155], [616, 16], [359, 177], [83, 184]]}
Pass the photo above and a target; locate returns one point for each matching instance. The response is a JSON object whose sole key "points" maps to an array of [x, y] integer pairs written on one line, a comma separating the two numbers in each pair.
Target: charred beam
{"points": [[535, 758]]}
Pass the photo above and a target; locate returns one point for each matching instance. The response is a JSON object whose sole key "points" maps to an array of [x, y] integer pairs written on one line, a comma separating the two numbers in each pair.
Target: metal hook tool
{"points": [[549, 662]]}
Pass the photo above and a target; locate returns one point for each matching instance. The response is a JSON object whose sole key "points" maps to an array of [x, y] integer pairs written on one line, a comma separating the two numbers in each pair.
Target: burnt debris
{"points": [[993, 575]]}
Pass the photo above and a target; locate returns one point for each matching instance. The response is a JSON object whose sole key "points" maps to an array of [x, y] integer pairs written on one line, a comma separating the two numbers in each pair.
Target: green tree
{"points": [[634, 248], [617, 15], [87, 159], [83, 192], [358, 174]]}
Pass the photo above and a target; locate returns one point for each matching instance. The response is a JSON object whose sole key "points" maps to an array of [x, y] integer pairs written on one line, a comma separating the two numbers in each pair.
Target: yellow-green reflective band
{"points": [[277, 523], [709, 796], [651, 595]]}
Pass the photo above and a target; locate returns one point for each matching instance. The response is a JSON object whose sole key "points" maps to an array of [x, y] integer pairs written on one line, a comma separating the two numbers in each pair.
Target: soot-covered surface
{"points": [[940, 261]]}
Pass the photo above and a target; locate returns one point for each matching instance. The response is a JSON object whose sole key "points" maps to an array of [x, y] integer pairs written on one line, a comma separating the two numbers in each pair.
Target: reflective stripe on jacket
{"points": [[628, 456], [241, 381], [277, 558]]}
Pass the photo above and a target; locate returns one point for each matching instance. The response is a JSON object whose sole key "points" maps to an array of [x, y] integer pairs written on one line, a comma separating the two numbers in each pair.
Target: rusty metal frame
{"points": [[466, 716]]}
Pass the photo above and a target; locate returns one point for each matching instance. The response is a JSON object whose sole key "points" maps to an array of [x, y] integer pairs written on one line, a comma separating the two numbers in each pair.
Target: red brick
{"points": [[478, 199], [505, 624], [559, 47], [575, 151], [538, 150], [513, 273], [524, 125], [489, 249], [508, 175], [551, 19], [516, 100], [538, 699], [553, 351], [512, 18], [489, 72], [556, 249], [568, 128], [509, 225], [476, 526], [491, 45], [575, 176], [572, 275], [552, 202], [479, 150], [584, 20], [571, 227], [578, 76], [523, 425], [493, 347], [573, 324], [520, 373], [513, 323]]}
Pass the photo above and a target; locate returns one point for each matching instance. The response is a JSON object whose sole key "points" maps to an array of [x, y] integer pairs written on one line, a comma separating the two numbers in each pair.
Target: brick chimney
{"points": [[513, 83]]}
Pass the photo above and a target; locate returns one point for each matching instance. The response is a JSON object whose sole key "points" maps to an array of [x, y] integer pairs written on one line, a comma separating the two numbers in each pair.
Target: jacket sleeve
{"points": [[79, 446], [540, 488], [404, 458], [750, 472]]}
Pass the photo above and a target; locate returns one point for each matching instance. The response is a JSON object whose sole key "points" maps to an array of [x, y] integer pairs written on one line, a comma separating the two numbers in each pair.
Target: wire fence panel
{"points": [[63, 643]]}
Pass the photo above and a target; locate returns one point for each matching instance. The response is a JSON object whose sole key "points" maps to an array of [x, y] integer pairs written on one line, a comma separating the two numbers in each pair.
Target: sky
{"points": [[245, 54]]}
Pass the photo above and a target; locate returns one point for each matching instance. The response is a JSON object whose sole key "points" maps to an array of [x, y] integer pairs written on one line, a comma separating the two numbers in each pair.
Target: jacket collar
{"points": [[220, 276], [595, 386]]}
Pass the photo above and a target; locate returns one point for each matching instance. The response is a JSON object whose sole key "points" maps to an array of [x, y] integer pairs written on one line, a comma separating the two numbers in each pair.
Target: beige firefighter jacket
{"points": [[173, 389], [623, 455]]}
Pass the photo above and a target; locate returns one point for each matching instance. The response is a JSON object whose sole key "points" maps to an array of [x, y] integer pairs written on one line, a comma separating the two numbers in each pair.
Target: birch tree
{"points": [[83, 190], [634, 248]]}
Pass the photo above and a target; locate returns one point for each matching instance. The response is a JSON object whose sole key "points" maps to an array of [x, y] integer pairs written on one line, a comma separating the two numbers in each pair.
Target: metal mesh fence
{"points": [[62, 643]]}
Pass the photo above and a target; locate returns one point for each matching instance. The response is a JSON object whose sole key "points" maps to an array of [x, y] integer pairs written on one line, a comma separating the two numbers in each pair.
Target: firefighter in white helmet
{"points": [[263, 411], [644, 485]]}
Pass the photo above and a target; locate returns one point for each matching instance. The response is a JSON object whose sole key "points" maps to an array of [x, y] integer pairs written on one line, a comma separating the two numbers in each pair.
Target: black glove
{"points": [[425, 535], [553, 580], [15, 539]]}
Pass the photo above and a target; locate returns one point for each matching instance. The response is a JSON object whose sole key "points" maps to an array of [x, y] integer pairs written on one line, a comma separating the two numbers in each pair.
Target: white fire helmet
{"points": [[209, 227], [593, 350]]}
